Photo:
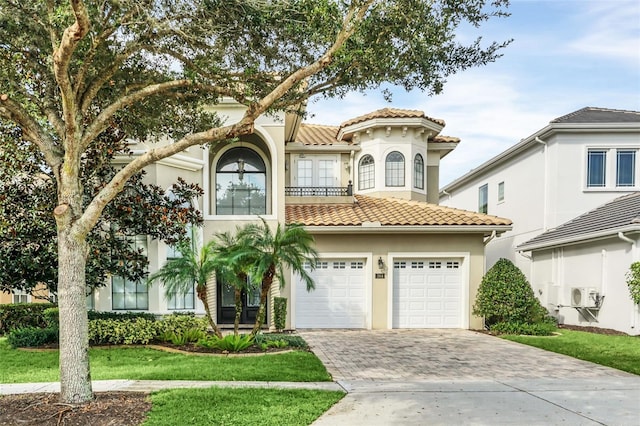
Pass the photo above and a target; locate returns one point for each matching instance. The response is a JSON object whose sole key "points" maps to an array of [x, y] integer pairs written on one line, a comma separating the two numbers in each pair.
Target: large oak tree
{"points": [[72, 69]]}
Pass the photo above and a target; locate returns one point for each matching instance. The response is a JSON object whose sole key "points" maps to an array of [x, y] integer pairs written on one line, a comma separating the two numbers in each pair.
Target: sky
{"points": [[566, 55]]}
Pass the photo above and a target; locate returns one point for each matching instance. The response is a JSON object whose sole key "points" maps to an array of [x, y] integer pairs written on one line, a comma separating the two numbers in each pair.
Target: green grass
{"points": [[242, 406], [620, 352], [17, 366]]}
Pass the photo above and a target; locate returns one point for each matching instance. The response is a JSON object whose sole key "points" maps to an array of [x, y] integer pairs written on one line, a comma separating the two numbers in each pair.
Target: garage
{"points": [[427, 293], [339, 299]]}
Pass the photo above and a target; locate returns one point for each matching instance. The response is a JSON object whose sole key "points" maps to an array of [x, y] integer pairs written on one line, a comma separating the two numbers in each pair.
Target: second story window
{"points": [[366, 173], [625, 167], [394, 169], [501, 192], [596, 167], [418, 172], [483, 199], [241, 183]]}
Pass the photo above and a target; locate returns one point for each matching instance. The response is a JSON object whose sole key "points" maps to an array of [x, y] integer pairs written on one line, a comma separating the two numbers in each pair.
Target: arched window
{"points": [[366, 175], [418, 172], [241, 183], [394, 169]]}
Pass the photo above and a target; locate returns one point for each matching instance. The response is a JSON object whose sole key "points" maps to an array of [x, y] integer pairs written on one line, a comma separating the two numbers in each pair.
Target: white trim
{"points": [[369, 227], [342, 255], [464, 271], [178, 161]]}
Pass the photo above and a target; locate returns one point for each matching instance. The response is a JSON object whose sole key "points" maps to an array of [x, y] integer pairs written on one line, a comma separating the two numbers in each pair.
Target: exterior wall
{"points": [[40, 295], [600, 265], [375, 246], [542, 190]]}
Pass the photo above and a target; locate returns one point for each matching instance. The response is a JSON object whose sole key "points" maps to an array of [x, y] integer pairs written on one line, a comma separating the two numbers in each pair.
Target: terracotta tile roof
{"points": [[609, 218], [387, 211], [599, 115], [317, 134], [391, 113], [445, 139]]}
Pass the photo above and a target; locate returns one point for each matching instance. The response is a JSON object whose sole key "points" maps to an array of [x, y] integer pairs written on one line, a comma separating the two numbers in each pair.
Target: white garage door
{"points": [[339, 299], [427, 293]]}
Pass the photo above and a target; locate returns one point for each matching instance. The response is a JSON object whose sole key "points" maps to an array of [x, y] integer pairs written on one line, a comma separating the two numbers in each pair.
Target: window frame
{"points": [[620, 151], [394, 171], [418, 172], [483, 204], [591, 182], [259, 210], [139, 241], [501, 192], [366, 176]]}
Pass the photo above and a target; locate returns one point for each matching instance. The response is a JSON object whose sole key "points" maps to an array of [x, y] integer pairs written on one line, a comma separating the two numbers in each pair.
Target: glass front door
{"points": [[226, 303]]}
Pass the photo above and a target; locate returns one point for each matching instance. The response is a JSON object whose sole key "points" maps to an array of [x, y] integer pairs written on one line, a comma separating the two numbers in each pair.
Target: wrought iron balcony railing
{"points": [[318, 191]]}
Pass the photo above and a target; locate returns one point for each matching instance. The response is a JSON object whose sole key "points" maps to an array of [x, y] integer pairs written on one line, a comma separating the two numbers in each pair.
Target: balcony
{"points": [[318, 194]]}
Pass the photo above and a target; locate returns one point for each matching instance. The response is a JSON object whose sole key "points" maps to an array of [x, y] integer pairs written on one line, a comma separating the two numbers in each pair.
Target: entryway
{"points": [[226, 311]]}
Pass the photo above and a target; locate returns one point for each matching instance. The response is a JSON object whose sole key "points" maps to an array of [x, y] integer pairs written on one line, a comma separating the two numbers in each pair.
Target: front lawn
{"points": [[620, 352], [244, 406], [19, 366]]}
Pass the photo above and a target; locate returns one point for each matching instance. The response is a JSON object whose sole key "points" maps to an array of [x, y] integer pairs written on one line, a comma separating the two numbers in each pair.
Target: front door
{"points": [[226, 304]]}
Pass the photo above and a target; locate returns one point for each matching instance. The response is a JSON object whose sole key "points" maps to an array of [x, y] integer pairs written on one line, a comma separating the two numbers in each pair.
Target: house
{"points": [[367, 190], [589, 256], [576, 163]]}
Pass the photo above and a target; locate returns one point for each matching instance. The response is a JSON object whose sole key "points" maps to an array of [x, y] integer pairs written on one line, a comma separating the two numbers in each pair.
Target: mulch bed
{"points": [[45, 409], [596, 330]]}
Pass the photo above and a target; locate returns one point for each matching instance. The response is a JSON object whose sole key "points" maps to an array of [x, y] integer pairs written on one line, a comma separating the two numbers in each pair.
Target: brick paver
{"points": [[415, 355]]}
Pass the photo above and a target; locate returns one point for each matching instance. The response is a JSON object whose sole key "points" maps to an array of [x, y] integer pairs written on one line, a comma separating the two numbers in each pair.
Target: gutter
{"points": [[624, 238], [407, 229], [579, 239]]}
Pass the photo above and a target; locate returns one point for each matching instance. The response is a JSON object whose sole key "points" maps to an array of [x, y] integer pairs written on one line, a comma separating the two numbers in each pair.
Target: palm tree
{"points": [[232, 270], [195, 266], [270, 252]]}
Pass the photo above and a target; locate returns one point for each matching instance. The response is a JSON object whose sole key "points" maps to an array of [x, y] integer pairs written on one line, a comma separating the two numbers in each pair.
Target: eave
{"points": [[374, 228], [579, 239]]}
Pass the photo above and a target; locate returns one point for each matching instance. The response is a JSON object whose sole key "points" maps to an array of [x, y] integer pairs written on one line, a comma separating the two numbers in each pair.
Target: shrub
{"points": [[27, 337], [119, 332], [230, 342], [52, 317], [633, 282], [191, 335], [544, 328], [505, 295], [292, 340], [20, 315], [279, 312], [180, 323], [102, 315]]}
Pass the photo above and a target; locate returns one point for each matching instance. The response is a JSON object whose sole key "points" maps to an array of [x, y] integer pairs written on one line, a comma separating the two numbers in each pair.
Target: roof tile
{"points": [[317, 134], [391, 113], [387, 211]]}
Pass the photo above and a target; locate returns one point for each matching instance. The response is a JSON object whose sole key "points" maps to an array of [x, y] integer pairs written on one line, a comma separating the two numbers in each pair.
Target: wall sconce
{"points": [[240, 163], [380, 263]]}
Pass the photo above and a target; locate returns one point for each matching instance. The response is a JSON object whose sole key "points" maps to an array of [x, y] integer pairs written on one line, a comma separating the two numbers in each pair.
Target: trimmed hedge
{"points": [[28, 337], [20, 315], [279, 312], [104, 315], [121, 332]]}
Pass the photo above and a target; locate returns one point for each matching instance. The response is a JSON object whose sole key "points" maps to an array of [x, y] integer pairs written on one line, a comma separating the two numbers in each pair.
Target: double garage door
{"points": [[427, 293]]}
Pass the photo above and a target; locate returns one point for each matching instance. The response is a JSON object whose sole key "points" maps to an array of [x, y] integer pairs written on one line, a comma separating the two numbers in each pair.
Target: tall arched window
{"points": [[366, 175], [418, 172], [241, 183], [394, 169]]}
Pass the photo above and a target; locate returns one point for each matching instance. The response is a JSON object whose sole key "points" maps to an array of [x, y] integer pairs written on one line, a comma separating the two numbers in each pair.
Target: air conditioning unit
{"points": [[584, 297]]}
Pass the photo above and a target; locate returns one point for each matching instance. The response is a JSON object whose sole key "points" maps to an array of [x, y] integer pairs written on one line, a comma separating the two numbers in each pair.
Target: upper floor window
{"points": [[20, 296], [418, 172], [625, 168], [241, 183], [596, 167], [501, 191], [316, 171], [366, 175], [394, 169], [483, 199]]}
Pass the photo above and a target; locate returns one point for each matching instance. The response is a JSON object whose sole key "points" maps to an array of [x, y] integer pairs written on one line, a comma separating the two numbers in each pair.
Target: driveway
{"points": [[459, 376]]}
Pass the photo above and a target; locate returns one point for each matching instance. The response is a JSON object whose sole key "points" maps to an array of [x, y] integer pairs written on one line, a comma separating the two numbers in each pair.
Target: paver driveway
{"points": [[443, 377], [416, 355]]}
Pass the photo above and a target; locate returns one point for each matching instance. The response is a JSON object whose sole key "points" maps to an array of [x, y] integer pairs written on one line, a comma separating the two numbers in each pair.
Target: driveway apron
{"points": [[464, 377]]}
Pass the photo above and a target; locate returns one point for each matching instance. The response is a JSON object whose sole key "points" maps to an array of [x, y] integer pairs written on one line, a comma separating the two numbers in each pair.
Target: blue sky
{"points": [[566, 55]]}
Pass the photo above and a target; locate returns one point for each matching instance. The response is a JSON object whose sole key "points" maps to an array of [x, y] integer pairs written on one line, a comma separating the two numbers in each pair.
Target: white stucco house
{"points": [[367, 190], [576, 163]]}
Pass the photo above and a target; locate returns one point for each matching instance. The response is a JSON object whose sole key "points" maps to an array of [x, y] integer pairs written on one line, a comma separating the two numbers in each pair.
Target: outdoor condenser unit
{"points": [[584, 297]]}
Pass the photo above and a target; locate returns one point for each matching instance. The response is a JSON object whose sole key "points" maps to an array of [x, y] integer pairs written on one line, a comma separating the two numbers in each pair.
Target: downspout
{"points": [[544, 183], [490, 237]]}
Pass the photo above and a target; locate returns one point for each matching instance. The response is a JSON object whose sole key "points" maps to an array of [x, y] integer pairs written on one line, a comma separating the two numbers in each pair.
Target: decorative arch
{"points": [[418, 172], [240, 183]]}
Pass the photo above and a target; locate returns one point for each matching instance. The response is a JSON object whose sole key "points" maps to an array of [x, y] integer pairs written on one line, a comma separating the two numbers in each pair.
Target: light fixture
{"points": [[380, 263], [240, 163]]}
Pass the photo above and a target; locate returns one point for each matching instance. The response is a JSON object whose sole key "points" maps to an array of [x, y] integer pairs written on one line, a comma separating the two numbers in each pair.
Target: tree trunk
{"points": [[236, 323], [202, 295], [264, 293], [75, 376]]}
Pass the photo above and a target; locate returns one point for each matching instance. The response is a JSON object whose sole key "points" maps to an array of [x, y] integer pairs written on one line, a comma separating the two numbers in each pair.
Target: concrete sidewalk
{"points": [[155, 385]]}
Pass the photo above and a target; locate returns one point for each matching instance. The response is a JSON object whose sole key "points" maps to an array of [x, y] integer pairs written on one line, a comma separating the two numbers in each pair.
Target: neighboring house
{"points": [[576, 163], [388, 258], [579, 267]]}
